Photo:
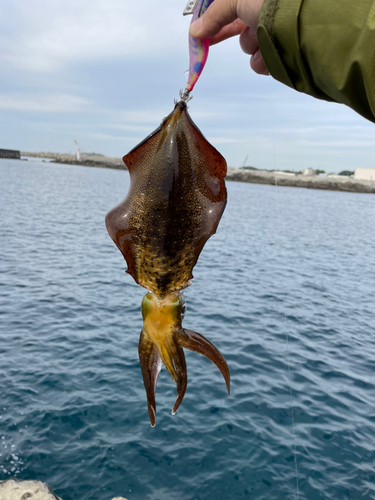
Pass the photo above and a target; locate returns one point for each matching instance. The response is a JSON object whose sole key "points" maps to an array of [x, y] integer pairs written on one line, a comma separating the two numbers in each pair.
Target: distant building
{"points": [[364, 174], [308, 171], [10, 153]]}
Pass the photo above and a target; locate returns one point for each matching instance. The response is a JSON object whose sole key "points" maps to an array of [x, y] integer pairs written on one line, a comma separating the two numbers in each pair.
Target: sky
{"points": [[106, 72]]}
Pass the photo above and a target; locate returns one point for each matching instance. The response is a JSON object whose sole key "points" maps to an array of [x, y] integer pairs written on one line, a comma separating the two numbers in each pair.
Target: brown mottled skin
{"points": [[176, 198]]}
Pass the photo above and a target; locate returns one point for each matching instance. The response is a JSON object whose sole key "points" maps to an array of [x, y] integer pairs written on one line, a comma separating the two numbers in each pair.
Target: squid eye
{"points": [[183, 310]]}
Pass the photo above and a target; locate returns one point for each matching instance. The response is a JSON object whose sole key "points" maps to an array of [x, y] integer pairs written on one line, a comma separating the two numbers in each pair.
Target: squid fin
{"points": [[196, 342], [150, 366]]}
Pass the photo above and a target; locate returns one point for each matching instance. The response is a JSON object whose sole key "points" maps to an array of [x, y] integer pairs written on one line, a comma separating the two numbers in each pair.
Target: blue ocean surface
{"points": [[285, 289]]}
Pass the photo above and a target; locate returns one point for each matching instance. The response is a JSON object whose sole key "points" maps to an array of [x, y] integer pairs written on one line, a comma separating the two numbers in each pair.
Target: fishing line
{"points": [[292, 406], [274, 156], [287, 352]]}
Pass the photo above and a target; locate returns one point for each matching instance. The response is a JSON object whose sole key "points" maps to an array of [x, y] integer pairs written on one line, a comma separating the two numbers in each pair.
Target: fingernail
{"points": [[251, 32], [257, 55], [195, 27]]}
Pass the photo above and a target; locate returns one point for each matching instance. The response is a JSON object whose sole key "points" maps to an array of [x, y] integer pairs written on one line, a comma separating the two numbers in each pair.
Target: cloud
{"points": [[130, 128], [106, 72], [61, 103], [156, 115], [224, 140], [336, 143], [138, 115], [44, 35], [109, 137], [347, 136]]}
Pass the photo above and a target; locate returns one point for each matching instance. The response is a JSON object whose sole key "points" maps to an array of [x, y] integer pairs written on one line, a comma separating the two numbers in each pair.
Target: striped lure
{"points": [[198, 49]]}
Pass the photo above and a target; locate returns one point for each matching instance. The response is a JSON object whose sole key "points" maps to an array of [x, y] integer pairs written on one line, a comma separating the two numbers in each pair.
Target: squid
{"points": [[176, 199]]}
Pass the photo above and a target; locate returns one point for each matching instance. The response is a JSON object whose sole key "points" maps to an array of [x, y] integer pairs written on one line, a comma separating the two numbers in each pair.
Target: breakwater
{"points": [[10, 153], [86, 160], [331, 183]]}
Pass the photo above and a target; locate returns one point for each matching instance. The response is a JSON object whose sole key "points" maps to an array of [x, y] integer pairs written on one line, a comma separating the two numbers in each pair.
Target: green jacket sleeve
{"points": [[324, 48]]}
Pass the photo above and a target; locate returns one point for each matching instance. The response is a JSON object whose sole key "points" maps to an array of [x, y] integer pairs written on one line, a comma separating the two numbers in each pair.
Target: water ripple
{"points": [[285, 289]]}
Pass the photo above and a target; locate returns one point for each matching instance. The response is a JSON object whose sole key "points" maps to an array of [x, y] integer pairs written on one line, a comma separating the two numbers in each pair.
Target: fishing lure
{"points": [[176, 199], [198, 49]]}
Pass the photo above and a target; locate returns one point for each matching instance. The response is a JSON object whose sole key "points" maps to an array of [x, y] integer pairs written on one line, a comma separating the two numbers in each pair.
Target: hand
{"points": [[226, 18]]}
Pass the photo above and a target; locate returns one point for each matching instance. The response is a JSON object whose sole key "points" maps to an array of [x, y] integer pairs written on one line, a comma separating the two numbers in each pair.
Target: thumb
{"points": [[219, 14]]}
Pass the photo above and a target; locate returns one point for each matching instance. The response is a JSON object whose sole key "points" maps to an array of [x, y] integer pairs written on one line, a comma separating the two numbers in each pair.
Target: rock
{"points": [[13, 489]]}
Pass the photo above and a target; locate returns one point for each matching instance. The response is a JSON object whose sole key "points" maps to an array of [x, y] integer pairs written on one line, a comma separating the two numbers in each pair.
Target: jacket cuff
{"points": [[279, 44], [268, 45]]}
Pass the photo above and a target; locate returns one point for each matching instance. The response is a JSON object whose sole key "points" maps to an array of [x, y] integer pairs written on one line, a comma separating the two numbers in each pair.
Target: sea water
{"points": [[285, 289]]}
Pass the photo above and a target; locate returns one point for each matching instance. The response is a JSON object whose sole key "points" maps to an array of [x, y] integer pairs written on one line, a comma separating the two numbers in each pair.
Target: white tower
{"points": [[78, 151]]}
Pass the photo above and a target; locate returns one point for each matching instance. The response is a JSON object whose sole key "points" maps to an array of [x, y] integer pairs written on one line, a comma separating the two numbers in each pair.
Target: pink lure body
{"points": [[198, 49]]}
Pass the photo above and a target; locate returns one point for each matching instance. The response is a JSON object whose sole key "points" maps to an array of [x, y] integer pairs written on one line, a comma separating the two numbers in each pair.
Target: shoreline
{"points": [[86, 160], [334, 183]]}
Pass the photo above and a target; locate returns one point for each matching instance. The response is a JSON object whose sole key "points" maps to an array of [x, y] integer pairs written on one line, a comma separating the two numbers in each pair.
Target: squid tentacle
{"points": [[150, 365], [198, 343], [173, 357]]}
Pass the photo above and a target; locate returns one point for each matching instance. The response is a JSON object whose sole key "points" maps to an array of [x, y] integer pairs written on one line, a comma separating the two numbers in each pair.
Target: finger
{"points": [[233, 29], [249, 41], [219, 14], [257, 64]]}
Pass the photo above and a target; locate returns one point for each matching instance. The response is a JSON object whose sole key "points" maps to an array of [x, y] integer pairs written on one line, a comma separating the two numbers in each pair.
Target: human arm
{"points": [[324, 48]]}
